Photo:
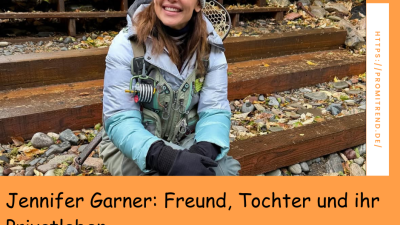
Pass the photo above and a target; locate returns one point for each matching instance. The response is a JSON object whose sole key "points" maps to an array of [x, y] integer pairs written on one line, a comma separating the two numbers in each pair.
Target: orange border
{"points": [[385, 211]]}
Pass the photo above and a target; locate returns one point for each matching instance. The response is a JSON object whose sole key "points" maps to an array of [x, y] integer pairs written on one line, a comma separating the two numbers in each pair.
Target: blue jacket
{"points": [[122, 117]]}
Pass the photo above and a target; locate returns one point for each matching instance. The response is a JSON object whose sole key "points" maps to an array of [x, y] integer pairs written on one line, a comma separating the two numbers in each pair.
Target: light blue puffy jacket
{"points": [[122, 117]]}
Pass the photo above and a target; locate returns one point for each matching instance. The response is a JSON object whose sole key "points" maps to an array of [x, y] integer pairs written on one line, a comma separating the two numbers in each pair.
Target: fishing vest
{"points": [[167, 114]]}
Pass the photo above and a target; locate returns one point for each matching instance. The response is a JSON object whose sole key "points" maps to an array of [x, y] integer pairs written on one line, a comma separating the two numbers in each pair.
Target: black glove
{"points": [[169, 161], [207, 149]]}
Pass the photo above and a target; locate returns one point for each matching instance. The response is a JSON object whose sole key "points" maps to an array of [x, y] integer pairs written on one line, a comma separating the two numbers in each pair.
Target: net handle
{"points": [[227, 16]]}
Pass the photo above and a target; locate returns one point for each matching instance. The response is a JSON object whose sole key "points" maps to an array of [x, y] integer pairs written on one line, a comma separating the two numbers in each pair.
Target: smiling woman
{"points": [[176, 14]]}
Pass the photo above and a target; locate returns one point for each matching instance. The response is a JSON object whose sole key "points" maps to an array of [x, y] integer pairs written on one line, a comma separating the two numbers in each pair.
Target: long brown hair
{"points": [[148, 23]]}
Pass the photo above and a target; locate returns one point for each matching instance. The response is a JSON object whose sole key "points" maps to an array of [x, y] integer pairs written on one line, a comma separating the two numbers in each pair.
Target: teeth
{"points": [[171, 9]]}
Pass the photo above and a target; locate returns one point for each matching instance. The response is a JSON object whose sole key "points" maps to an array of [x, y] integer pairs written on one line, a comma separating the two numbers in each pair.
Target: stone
{"points": [[7, 172], [304, 167], [84, 38], [336, 7], [95, 163], [4, 44], [318, 3], [1, 171], [310, 162], [53, 135], [54, 149], [283, 3], [233, 108], [81, 148], [362, 149], [316, 96], [34, 162], [349, 102], [51, 156], [273, 101], [292, 16], [73, 150], [295, 169], [259, 107], [68, 135], [71, 170], [317, 160], [359, 161], [353, 92], [50, 173], [274, 173], [358, 12], [30, 171], [11, 174], [41, 140], [340, 85], [42, 160], [40, 43], [350, 154], [247, 107], [305, 2], [334, 18], [82, 137], [356, 170], [313, 111], [64, 49], [4, 159], [68, 40], [318, 11], [21, 173], [261, 98], [334, 108], [334, 164], [275, 129], [16, 168], [53, 163], [64, 146]]}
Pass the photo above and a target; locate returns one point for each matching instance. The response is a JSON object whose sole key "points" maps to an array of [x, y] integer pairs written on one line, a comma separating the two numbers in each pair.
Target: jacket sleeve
{"points": [[121, 115], [214, 110]]}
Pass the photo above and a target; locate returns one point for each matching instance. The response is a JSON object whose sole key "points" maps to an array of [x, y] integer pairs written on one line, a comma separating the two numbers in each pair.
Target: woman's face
{"points": [[176, 13]]}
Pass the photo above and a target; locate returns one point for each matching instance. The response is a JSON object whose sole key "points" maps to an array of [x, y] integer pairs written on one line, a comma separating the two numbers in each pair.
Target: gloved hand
{"points": [[207, 149], [169, 161]]}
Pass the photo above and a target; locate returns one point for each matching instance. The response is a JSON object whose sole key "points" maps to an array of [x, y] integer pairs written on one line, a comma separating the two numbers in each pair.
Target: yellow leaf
{"points": [[301, 134], [311, 63], [336, 79], [266, 65]]}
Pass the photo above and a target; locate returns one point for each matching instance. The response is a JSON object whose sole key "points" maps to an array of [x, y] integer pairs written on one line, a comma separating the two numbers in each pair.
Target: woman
{"points": [[182, 127]]}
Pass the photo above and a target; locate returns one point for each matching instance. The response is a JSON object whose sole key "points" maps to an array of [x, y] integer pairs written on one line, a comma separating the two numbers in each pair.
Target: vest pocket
{"points": [[152, 122]]}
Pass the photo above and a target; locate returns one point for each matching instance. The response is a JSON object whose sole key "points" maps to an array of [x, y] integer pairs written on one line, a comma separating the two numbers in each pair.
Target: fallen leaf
{"points": [[84, 94], [301, 134], [266, 65], [37, 173], [311, 63], [18, 141], [336, 79]]}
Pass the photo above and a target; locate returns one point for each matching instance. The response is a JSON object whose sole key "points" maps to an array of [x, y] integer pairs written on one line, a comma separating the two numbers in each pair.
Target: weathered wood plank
{"points": [[266, 153], [72, 15]]}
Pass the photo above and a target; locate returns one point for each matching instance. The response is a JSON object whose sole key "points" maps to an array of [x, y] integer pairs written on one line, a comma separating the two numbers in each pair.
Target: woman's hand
{"points": [[207, 149]]}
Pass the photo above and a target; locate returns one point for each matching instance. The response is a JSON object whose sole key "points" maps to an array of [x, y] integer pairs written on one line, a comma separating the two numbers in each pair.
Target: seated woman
{"points": [[165, 105]]}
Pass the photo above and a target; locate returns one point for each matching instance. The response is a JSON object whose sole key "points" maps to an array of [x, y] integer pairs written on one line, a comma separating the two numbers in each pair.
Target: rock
{"points": [[233, 108], [4, 159], [275, 129], [7, 172], [310, 162], [16, 168], [95, 163], [68, 135], [318, 11], [292, 16], [247, 107], [52, 164], [4, 44], [64, 146], [42, 160], [50, 173], [334, 164], [336, 7], [1, 171], [356, 170], [334, 18], [295, 169], [81, 148], [51, 156], [318, 3], [41, 140], [68, 40], [48, 44], [282, 3], [305, 2], [362, 149], [317, 160], [304, 167], [21, 173], [261, 98], [334, 108], [73, 150], [358, 12], [34, 162], [54, 149], [350, 154], [30, 171], [84, 38], [316, 96], [353, 92], [313, 111], [274, 173], [40, 43], [304, 90], [340, 85], [273, 101], [71, 170], [82, 137], [359, 161], [355, 39], [11, 174], [64, 49], [259, 107]]}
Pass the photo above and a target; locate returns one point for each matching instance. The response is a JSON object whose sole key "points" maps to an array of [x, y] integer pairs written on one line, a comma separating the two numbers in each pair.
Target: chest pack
{"points": [[166, 113]]}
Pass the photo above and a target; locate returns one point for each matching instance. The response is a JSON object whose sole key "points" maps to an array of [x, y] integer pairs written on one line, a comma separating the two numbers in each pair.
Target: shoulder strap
{"points": [[138, 58]]}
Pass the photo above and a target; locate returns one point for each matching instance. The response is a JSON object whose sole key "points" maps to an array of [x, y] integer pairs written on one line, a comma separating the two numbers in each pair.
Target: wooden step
{"points": [[24, 112], [38, 69], [284, 148]]}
